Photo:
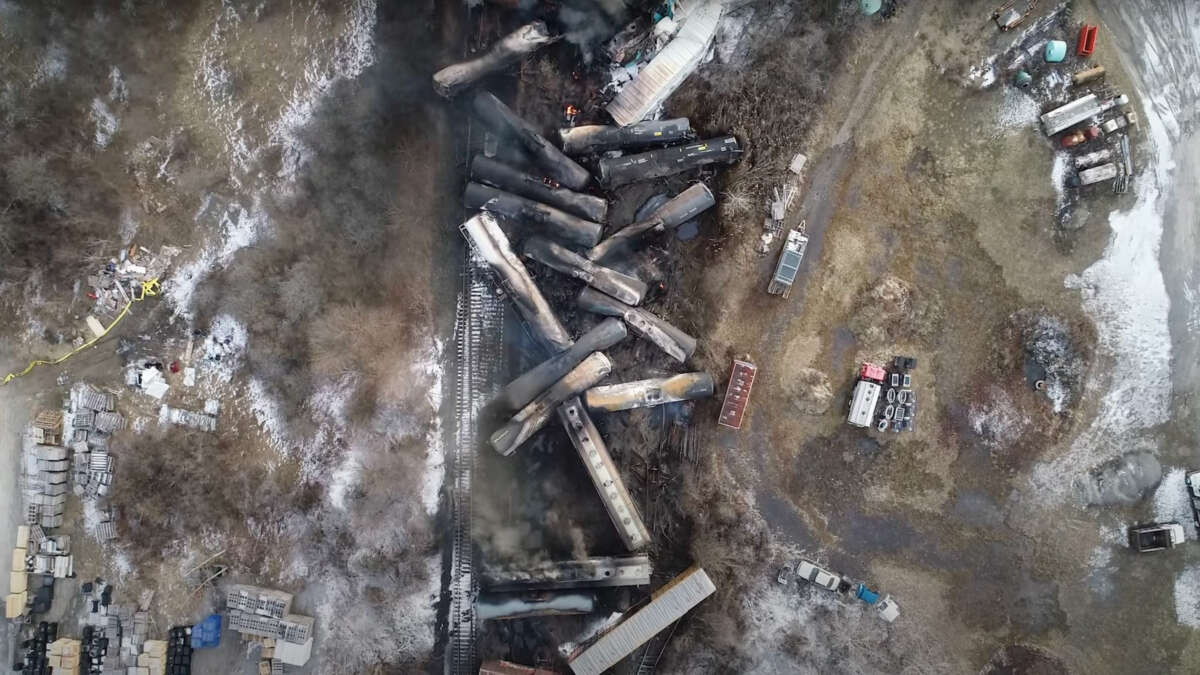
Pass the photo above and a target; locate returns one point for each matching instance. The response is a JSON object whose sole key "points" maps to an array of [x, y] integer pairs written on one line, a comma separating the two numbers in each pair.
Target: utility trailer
{"points": [[789, 264], [1155, 537], [866, 395]]}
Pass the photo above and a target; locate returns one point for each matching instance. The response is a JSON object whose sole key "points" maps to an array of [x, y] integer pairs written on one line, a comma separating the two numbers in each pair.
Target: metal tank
{"points": [[676, 343], [591, 138], [555, 223], [505, 177], [628, 289], [506, 123], [617, 171], [490, 242], [650, 392], [681, 208], [534, 416], [508, 50], [518, 393]]}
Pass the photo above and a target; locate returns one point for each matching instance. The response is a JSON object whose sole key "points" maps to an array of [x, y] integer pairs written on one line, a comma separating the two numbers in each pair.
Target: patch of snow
{"points": [[106, 123], [1171, 501], [430, 369], [1017, 110], [119, 91], [1125, 294], [406, 627], [983, 75], [998, 422], [353, 52], [267, 413], [52, 65], [122, 565], [1187, 597], [238, 228], [225, 347], [1058, 176]]}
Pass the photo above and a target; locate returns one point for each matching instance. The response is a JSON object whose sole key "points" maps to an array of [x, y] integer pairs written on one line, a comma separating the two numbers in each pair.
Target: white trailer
{"points": [[1069, 115], [862, 403], [1097, 174], [669, 603]]}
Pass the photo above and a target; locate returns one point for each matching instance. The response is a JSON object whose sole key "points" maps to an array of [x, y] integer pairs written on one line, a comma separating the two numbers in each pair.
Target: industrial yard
{"points": [[600, 336]]}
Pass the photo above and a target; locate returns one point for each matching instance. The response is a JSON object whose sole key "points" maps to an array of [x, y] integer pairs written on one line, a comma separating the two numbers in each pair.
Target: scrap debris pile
{"points": [[1085, 115], [550, 203]]}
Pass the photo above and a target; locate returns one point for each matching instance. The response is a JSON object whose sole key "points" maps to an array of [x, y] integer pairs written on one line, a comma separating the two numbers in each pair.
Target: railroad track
{"points": [[654, 649], [479, 333]]}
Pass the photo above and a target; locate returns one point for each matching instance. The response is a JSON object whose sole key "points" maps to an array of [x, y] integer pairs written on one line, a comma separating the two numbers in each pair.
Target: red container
{"points": [[737, 394], [870, 371], [1087, 41]]}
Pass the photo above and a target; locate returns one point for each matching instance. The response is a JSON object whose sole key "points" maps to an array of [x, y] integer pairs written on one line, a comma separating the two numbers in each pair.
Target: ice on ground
{"points": [[353, 52], [1018, 111], [118, 91], [1126, 296], [1187, 597], [224, 347], [236, 228], [400, 631], [998, 422], [53, 64], [431, 368], [1058, 176], [106, 123], [1172, 503]]}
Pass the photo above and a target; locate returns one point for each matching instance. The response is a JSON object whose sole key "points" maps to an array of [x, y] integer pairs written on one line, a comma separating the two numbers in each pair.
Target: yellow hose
{"points": [[149, 288]]}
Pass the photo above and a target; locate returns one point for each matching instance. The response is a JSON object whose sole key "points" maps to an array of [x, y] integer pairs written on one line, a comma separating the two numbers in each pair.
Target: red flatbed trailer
{"points": [[737, 394]]}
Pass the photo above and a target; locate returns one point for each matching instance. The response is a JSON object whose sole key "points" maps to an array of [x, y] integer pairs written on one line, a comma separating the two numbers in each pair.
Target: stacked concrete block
{"points": [[265, 613]]}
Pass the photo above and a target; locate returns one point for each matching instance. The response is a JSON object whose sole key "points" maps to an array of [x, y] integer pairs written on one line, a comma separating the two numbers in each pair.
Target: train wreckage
{"points": [[536, 210]]}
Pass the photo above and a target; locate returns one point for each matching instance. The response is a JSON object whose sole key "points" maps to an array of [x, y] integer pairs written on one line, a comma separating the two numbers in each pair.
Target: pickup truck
{"points": [[1155, 537]]}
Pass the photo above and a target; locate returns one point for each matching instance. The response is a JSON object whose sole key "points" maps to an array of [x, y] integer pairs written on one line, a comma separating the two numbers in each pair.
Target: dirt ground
{"points": [[932, 217], [932, 231]]}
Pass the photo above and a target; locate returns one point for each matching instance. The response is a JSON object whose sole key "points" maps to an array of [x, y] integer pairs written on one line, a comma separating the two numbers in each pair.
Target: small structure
{"points": [[1087, 40], [667, 606], [737, 394], [48, 427]]}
